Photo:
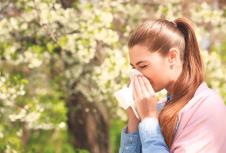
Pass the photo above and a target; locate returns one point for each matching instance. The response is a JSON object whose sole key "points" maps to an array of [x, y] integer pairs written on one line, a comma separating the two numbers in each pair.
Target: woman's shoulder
{"points": [[214, 104], [205, 104], [211, 99], [202, 119], [204, 97]]}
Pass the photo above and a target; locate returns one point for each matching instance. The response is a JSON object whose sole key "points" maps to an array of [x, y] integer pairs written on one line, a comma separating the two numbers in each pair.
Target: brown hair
{"points": [[161, 35]]}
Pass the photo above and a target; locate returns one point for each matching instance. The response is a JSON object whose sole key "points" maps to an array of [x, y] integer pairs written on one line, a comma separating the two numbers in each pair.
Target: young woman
{"points": [[193, 118]]}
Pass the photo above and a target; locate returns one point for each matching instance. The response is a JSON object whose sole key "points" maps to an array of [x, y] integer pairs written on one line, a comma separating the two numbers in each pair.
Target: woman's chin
{"points": [[156, 89]]}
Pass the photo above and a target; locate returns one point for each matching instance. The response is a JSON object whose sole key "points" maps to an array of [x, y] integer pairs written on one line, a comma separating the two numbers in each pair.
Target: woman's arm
{"points": [[144, 136], [151, 137], [130, 140], [147, 133], [149, 129]]}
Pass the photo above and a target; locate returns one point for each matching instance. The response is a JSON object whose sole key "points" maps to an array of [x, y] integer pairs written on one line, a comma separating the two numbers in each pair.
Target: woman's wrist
{"points": [[132, 126], [149, 115], [133, 121]]}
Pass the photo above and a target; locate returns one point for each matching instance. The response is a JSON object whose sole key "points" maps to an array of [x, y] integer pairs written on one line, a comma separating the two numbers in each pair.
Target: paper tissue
{"points": [[125, 95]]}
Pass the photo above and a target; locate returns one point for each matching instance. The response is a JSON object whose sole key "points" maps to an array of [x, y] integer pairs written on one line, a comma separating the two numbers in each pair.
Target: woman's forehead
{"points": [[141, 53]]}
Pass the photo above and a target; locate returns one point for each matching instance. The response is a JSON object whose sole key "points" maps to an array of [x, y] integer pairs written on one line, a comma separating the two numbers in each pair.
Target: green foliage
{"points": [[115, 134]]}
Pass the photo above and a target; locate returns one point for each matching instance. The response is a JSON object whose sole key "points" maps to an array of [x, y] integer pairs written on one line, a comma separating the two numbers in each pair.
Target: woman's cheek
{"points": [[150, 78], [154, 80], [147, 75]]}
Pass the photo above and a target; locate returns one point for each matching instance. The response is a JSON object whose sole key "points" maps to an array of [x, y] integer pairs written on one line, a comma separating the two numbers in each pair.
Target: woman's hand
{"points": [[133, 121], [144, 97]]}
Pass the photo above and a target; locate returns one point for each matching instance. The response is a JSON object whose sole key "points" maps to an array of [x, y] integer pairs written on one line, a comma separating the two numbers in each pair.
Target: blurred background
{"points": [[62, 60]]}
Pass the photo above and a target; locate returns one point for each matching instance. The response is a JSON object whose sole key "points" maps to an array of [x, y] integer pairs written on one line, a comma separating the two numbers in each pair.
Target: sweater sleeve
{"points": [[151, 137], [130, 142]]}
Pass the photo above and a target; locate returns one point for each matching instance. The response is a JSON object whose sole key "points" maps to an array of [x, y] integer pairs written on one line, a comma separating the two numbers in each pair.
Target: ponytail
{"points": [[184, 88], [192, 56]]}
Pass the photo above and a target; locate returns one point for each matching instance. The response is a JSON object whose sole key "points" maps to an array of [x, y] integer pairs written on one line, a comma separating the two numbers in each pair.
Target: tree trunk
{"points": [[67, 3], [25, 134], [88, 124]]}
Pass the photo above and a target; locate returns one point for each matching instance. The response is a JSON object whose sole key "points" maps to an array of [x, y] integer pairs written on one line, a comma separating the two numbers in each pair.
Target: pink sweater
{"points": [[202, 124]]}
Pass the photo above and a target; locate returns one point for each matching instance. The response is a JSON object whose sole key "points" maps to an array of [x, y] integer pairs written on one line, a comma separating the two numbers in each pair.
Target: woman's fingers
{"points": [[142, 87], [137, 88], [145, 103], [135, 96], [148, 85], [144, 90]]}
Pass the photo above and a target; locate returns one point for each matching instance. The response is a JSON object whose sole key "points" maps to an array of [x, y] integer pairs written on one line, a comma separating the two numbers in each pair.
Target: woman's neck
{"points": [[175, 75]]}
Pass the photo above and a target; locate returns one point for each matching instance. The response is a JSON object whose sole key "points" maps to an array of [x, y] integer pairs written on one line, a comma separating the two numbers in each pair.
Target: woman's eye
{"points": [[143, 66]]}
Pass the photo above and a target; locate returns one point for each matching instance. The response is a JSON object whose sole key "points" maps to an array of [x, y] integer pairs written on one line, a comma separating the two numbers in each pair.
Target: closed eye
{"points": [[143, 66]]}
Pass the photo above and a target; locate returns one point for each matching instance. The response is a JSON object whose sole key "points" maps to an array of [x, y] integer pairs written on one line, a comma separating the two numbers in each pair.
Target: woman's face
{"points": [[152, 65]]}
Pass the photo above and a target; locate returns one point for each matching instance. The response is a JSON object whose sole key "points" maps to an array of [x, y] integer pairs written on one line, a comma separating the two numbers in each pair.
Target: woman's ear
{"points": [[173, 55]]}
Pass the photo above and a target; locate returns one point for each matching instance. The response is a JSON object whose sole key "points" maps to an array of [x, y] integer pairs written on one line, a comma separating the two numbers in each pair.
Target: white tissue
{"points": [[134, 72], [124, 96]]}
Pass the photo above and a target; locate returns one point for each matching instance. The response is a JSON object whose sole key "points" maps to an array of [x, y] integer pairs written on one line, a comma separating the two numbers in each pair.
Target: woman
{"points": [[192, 119]]}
